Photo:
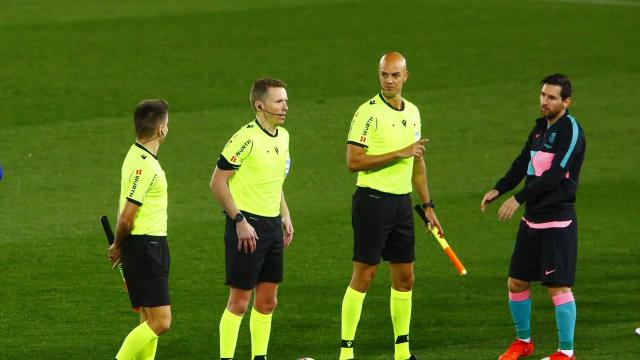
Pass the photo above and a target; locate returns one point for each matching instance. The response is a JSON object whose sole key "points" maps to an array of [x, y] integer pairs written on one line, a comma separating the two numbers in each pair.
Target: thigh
{"points": [[525, 257], [242, 269], [272, 270], [146, 263], [371, 226], [401, 246], [559, 248]]}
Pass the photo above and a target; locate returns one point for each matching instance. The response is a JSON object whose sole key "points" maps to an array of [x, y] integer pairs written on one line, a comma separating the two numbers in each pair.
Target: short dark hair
{"points": [[559, 80], [147, 116], [261, 86]]}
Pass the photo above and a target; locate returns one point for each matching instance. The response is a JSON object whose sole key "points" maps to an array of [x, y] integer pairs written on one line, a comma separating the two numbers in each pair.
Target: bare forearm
{"points": [[419, 179], [222, 193], [123, 230], [219, 186], [363, 162], [284, 209]]}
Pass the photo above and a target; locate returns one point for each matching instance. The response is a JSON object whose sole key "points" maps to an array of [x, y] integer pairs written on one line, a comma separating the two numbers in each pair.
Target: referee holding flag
{"points": [[385, 148], [141, 233]]}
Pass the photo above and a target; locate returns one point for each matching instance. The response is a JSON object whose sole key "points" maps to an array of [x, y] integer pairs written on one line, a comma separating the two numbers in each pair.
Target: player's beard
{"points": [[550, 115]]}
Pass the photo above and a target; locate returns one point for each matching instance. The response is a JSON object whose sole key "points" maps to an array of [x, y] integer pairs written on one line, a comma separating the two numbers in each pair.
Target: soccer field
{"points": [[72, 71]]}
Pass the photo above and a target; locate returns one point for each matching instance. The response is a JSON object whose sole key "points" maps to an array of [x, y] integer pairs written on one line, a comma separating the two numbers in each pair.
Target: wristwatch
{"points": [[428, 204], [238, 218]]}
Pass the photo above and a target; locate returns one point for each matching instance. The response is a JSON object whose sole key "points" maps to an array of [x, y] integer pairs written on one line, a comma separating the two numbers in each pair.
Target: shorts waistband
{"points": [[255, 216], [146, 237], [371, 191]]}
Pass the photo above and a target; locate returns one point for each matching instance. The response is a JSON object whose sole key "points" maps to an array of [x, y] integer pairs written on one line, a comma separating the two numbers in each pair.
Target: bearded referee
{"points": [[141, 233], [385, 147], [247, 182]]}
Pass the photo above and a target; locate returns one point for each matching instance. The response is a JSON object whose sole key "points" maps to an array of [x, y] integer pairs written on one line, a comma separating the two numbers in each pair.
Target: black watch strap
{"points": [[238, 218], [428, 204]]}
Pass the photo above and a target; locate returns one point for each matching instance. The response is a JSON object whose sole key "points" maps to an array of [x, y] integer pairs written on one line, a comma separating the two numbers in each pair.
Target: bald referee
{"points": [[141, 233], [385, 148], [247, 182]]}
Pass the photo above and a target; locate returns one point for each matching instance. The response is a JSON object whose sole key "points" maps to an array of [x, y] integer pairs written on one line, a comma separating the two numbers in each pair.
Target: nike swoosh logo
{"points": [[547, 272], [537, 135]]}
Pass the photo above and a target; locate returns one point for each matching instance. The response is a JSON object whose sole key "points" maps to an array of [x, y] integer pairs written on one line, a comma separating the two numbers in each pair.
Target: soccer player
{"points": [[385, 147], [547, 240], [141, 233], [247, 182]]}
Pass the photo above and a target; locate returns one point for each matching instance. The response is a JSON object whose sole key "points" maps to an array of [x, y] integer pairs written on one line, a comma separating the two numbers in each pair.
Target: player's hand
{"points": [[433, 219], [287, 231], [508, 208], [488, 197], [114, 255], [416, 149], [247, 237]]}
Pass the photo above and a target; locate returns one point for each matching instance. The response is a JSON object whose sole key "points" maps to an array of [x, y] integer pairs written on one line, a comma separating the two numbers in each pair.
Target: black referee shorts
{"points": [[145, 261], [382, 227], [265, 264], [545, 254]]}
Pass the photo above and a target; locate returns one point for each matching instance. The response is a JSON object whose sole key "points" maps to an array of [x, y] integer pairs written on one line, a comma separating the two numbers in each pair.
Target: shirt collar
{"points": [[145, 149], [389, 105], [265, 130]]}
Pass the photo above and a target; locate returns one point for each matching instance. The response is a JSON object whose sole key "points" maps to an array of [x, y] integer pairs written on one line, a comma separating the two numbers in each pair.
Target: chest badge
{"points": [[276, 149], [404, 123]]}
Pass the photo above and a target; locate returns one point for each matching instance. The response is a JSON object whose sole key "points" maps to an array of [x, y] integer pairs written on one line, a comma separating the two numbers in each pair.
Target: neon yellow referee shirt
{"points": [[144, 183], [261, 163], [381, 128]]}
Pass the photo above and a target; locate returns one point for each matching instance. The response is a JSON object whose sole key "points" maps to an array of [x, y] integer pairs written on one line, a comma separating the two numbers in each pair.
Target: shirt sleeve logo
{"points": [[138, 172], [367, 125]]}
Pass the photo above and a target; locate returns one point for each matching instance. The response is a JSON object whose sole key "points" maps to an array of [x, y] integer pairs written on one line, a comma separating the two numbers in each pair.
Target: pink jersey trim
{"points": [[563, 298], [521, 296], [541, 162], [547, 225]]}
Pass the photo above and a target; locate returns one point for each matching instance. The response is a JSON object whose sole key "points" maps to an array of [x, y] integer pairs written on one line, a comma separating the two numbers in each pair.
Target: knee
{"points": [[362, 279], [238, 306], [405, 282], [161, 325], [266, 306], [516, 285]]}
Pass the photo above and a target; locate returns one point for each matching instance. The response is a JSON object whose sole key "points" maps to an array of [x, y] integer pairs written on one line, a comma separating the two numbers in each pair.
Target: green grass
{"points": [[72, 72]]}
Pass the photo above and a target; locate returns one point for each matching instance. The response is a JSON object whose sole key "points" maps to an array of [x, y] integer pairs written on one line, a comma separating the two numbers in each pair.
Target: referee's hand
{"points": [[114, 255], [247, 237], [414, 150], [287, 231]]}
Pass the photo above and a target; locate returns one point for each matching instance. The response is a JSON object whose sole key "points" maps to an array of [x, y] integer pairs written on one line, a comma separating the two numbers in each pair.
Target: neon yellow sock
{"points": [[400, 305], [137, 340], [148, 353], [229, 326], [260, 326], [351, 309]]}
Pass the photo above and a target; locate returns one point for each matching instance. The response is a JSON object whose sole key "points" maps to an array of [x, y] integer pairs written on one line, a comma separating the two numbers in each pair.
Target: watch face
{"points": [[239, 217]]}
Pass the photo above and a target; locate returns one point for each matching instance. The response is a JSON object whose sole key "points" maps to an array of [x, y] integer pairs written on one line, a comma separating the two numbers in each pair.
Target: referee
{"points": [[141, 234], [385, 148], [547, 241], [247, 182]]}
